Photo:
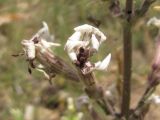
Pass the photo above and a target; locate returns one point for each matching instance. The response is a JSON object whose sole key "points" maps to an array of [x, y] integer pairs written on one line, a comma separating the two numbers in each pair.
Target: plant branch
{"points": [[144, 8], [143, 102]]}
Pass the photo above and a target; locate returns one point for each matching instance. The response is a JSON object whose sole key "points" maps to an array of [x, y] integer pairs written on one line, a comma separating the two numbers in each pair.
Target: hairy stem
{"points": [[127, 48]]}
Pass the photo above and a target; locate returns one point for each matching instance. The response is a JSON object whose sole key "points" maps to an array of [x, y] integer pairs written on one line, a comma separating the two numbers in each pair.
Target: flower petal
{"points": [[75, 36], [44, 33], [90, 29], [95, 42], [104, 64], [97, 64], [47, 44], [70, 45], [84, 28], [72, 56]]}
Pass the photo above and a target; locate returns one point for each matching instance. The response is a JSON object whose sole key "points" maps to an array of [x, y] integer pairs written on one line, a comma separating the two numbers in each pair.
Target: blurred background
{"points": [[31, 97]]}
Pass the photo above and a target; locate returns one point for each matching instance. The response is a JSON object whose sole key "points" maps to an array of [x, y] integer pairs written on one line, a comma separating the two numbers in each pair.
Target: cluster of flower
{"points": [[84, 42]]}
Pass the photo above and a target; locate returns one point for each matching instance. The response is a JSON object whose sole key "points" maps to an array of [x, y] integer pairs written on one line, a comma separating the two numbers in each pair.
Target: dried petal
{"points": [[47, 44], [29, 48], [44, 30], [43, 33], [45, 74]]}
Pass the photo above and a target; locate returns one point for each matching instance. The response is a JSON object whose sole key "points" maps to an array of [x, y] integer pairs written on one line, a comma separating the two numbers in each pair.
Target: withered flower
{"points": [[40, 42], [41, 39], [84, 42]]}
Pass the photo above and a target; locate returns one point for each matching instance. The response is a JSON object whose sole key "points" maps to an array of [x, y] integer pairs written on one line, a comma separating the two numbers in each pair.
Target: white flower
{"points": [[84, 36], [102, 65], [155, 98], [154, 21], [85, 41], [29, 48]]}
